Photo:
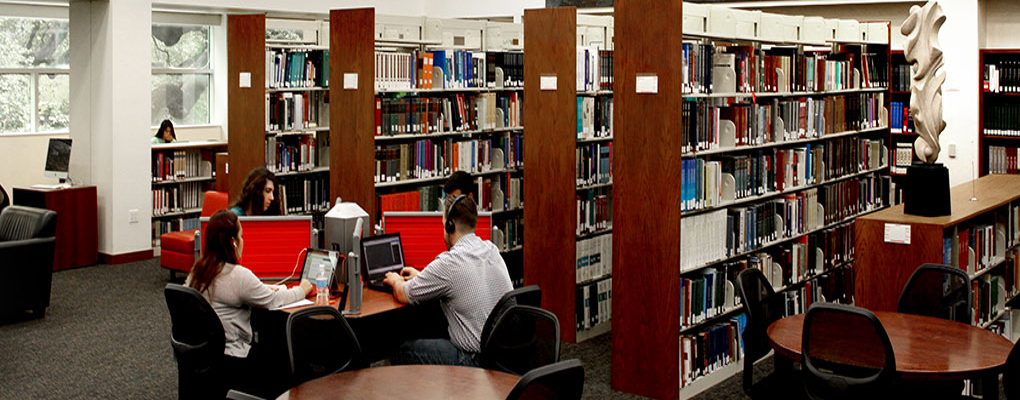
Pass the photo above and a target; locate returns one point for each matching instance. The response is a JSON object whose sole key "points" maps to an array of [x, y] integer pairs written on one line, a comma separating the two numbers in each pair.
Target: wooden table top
{"points": [[926, 348], [993, 191], [372, 302], [408, 381]]}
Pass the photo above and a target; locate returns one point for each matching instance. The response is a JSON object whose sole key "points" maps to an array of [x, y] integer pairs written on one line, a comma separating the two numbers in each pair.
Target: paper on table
{"points": [[299, 303]]}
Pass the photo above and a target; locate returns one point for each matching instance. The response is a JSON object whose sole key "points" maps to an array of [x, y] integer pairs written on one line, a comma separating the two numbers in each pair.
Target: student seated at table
{"points": [[458, 183], [233, 290], [467, 279], [258, 194], [165, 134]]}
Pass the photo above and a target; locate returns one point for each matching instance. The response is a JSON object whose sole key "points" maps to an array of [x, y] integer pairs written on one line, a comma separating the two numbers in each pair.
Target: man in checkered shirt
{"points": [[468, 279]]}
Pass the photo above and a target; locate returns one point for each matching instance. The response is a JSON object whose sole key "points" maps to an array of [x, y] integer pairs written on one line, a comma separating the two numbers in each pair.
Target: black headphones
{"points": [[450, 226]]}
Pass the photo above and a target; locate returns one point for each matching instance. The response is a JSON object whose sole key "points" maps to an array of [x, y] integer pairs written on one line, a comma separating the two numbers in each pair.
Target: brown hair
{"points": [[465, 215], [251, 193], [219, 237]]}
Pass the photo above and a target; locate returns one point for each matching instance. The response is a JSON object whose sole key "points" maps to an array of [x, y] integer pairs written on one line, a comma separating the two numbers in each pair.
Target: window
{"points": [[35, 89], [182, 74]]}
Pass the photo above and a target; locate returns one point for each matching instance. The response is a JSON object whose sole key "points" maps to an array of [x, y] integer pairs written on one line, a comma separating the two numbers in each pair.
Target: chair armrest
{"points": [[28, 264]]}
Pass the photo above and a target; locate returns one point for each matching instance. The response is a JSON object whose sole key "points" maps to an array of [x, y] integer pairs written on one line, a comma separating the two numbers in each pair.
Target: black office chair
{"points": [[939, 291], [563, 380], [1012, 374], [529, 295], [763, 307], [523, 338], [320, 342], [5, 199], [237, 395], [198, 341], [846, 354]]}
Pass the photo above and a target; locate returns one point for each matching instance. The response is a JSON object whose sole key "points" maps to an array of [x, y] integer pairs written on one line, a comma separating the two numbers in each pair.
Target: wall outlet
{"points": [[133, 215], [952, 150]]}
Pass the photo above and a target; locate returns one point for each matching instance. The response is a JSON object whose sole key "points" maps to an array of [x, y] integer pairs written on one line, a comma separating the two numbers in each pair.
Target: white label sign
{"points": [[350, 81], [897, 233], [547, 82], [245, 80], [647, 83]]}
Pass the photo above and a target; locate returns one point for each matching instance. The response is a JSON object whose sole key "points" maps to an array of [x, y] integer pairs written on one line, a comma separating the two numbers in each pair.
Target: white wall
{"points": [[276, 7], [23, 159], [1001, 19], [472, 9]]}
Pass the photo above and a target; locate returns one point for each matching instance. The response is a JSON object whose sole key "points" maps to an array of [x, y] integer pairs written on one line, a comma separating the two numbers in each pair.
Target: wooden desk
{"points": [[408, 381], [926, 348], [372, 302], [77, 222]]}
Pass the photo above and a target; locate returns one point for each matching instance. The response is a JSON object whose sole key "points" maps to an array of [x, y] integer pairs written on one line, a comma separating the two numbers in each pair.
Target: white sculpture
{"points": [[923, 51]]}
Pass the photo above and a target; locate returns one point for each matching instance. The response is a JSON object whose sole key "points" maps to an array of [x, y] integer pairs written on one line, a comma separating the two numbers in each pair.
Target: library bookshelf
{"points": [[677, 246], [422, 98], [999, 120], [181, 174], [901, 126], [567, 83], [278, 92]]}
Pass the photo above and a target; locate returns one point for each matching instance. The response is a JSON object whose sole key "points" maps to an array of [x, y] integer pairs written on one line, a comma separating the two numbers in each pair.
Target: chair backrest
{"points": [[5, 199], [320, 342], [22, 223], [1012, 374], [846, 353], [197, 340], [939, 291], [529, 295], [214, 201], [523, 338], [563, 380], [762, 307]]}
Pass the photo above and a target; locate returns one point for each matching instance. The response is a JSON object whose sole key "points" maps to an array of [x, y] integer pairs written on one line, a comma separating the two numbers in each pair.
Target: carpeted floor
{"points": [[106, 335]]}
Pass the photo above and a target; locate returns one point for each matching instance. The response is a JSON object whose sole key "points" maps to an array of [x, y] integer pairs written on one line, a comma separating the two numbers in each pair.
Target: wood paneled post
{"points": [[246, 115]]}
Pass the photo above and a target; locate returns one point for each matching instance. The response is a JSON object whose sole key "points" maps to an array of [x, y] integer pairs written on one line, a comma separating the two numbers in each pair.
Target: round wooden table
{"points": [[408, 381], [926, 348]]}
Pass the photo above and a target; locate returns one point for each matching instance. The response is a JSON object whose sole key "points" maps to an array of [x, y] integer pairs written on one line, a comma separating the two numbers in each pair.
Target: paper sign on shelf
{"points": [[351, 81], [647, 83], [547, 82], [897, 233], [245, 80]]}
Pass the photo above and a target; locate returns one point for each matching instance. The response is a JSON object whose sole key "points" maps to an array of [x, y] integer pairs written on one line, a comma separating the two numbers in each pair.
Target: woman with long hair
{"points": [[233, 290], [165, 134], [258, 194]]}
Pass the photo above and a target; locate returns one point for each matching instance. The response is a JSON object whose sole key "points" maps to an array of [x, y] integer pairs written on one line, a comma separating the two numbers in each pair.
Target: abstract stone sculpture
{"points": [[923, 51]]}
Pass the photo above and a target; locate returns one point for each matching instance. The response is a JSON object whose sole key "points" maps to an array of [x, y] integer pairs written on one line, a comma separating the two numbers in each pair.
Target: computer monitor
{"points": [[381, 254], [58, 158], [340, 224]]}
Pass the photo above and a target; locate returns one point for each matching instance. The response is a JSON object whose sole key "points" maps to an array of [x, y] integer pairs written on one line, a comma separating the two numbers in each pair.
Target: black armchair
{"points": [[197, 339], [5, 199], [27, 240]]}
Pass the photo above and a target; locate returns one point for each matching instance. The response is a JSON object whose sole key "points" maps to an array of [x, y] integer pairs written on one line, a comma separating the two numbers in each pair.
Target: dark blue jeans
{"points": [[433, 352]]}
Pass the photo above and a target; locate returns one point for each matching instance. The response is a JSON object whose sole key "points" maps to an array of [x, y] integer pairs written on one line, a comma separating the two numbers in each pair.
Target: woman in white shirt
{"points": [[233, 290]]}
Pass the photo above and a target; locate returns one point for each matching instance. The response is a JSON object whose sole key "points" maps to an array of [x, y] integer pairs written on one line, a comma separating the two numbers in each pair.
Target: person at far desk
{"points": [[233, 290], [458, 183], [468, 280], [258, 195], [165, 134]]}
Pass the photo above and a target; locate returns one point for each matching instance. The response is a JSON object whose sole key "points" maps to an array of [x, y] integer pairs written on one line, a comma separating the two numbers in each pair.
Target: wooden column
{"points": [[646, 205], [246, 116], [352, 111], [549, 147]]}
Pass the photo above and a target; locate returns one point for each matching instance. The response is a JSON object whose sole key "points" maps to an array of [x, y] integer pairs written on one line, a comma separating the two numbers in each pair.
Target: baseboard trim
{"points": [[124, 258]]}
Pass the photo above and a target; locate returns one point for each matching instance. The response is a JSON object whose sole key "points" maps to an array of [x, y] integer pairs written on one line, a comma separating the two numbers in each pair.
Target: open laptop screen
{"points": [[382, 254], [316, 260]]}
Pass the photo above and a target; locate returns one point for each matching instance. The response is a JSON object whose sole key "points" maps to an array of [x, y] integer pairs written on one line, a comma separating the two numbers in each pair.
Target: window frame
{"points": [[209, 70], [43, 13]]}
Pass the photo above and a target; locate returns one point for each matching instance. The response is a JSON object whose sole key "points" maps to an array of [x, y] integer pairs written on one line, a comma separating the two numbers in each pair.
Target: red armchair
{"points": [[178, 250]]}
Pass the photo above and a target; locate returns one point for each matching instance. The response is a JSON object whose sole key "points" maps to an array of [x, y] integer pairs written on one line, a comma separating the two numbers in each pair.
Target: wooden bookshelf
{"points": [[179, 181], [988, 96], [246, 43]]}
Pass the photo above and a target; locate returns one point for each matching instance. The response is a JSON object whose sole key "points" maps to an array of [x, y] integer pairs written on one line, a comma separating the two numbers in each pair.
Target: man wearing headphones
{"points": [[467, 279]]}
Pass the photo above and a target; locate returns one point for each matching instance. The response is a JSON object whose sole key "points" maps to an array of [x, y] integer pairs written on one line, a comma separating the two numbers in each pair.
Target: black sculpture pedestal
{"points": [[927, 191]]}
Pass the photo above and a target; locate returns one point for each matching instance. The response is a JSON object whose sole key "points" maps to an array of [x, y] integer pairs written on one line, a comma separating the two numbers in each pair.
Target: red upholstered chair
{"points": [[178, 249]]}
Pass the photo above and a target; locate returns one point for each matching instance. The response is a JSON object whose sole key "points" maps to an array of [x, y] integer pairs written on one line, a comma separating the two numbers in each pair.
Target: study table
{"points": [[408, 381], [926, 348]]}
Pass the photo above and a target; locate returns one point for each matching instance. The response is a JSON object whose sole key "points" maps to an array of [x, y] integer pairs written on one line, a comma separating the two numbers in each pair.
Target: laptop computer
{"points": [[316, 260], [381, 254]]}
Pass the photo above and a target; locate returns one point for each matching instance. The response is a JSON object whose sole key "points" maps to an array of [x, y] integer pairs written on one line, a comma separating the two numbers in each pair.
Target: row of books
{"points": [[593, 304], [292, 153], [792, 263], [978, 246], [1002, 76], [711, 349], [775, 170], [594, 69], [159, 227], [900, 120], [727, 232], [512, 65], [778, 120], [432, 158], [288, 68], [1002, 118], [708, 68], [447, 113], [594, 117], [594, 163], [415, 69], [509, 234], [187, 196], [875, 72], [1003, 160], [302, 195], [289, 111], [990, 296], [594, 210], [501, 192], [179, 164], [902, 76], [425, 198], [904, 157], [594, 258]]}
